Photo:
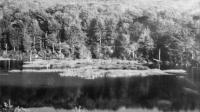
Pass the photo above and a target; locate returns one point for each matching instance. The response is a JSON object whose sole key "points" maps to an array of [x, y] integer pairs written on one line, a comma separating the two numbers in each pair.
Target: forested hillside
{"points": [[132, 30]]}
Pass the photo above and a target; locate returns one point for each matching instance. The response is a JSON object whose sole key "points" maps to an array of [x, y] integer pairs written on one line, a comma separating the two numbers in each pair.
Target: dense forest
{"points": [[100, 29]]}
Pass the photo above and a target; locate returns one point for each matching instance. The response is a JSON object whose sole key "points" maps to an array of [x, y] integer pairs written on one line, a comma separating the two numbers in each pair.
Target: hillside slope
{"points": [[131, 29]]}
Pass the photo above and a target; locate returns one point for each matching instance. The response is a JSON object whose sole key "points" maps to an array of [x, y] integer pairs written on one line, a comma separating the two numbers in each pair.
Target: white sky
{"points": [[189, 6]]}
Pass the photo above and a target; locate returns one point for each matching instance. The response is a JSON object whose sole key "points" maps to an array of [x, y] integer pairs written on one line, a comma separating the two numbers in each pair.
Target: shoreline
{"points": [[96, 73], [122, 109], [92, 69]]}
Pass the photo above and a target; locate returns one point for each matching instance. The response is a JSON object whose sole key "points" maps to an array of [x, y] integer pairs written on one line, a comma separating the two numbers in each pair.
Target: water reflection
{"points": [[6, 65], [49, 89]]}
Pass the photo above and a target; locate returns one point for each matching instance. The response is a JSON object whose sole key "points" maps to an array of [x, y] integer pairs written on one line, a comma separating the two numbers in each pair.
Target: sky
{"points": [[188, 6], [191, 6]]}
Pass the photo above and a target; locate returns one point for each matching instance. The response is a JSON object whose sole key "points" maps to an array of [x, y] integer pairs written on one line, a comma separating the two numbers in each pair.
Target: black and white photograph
{"points": [[99, 55]]}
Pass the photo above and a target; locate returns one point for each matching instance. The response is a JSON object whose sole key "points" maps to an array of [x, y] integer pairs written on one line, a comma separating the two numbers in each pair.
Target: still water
{"points": [[6, 65], [50, 89]]}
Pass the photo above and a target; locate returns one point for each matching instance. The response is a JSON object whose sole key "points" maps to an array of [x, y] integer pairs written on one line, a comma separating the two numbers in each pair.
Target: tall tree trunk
{"points": [[34, 42], [60, 49], [53, 48], [159, 58], [41, 44]]}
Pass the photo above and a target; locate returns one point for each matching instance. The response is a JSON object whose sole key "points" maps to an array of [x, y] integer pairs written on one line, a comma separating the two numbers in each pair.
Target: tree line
{"points": [[99, 31]]}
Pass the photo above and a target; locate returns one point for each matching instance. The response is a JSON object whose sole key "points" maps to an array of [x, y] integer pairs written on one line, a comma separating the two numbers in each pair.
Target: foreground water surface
{"points": [[52, 90], [49, 89]]}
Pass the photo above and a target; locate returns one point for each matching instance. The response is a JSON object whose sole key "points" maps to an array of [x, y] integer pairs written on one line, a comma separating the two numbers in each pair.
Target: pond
{"points": [[6, 65], [52, 90]]}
